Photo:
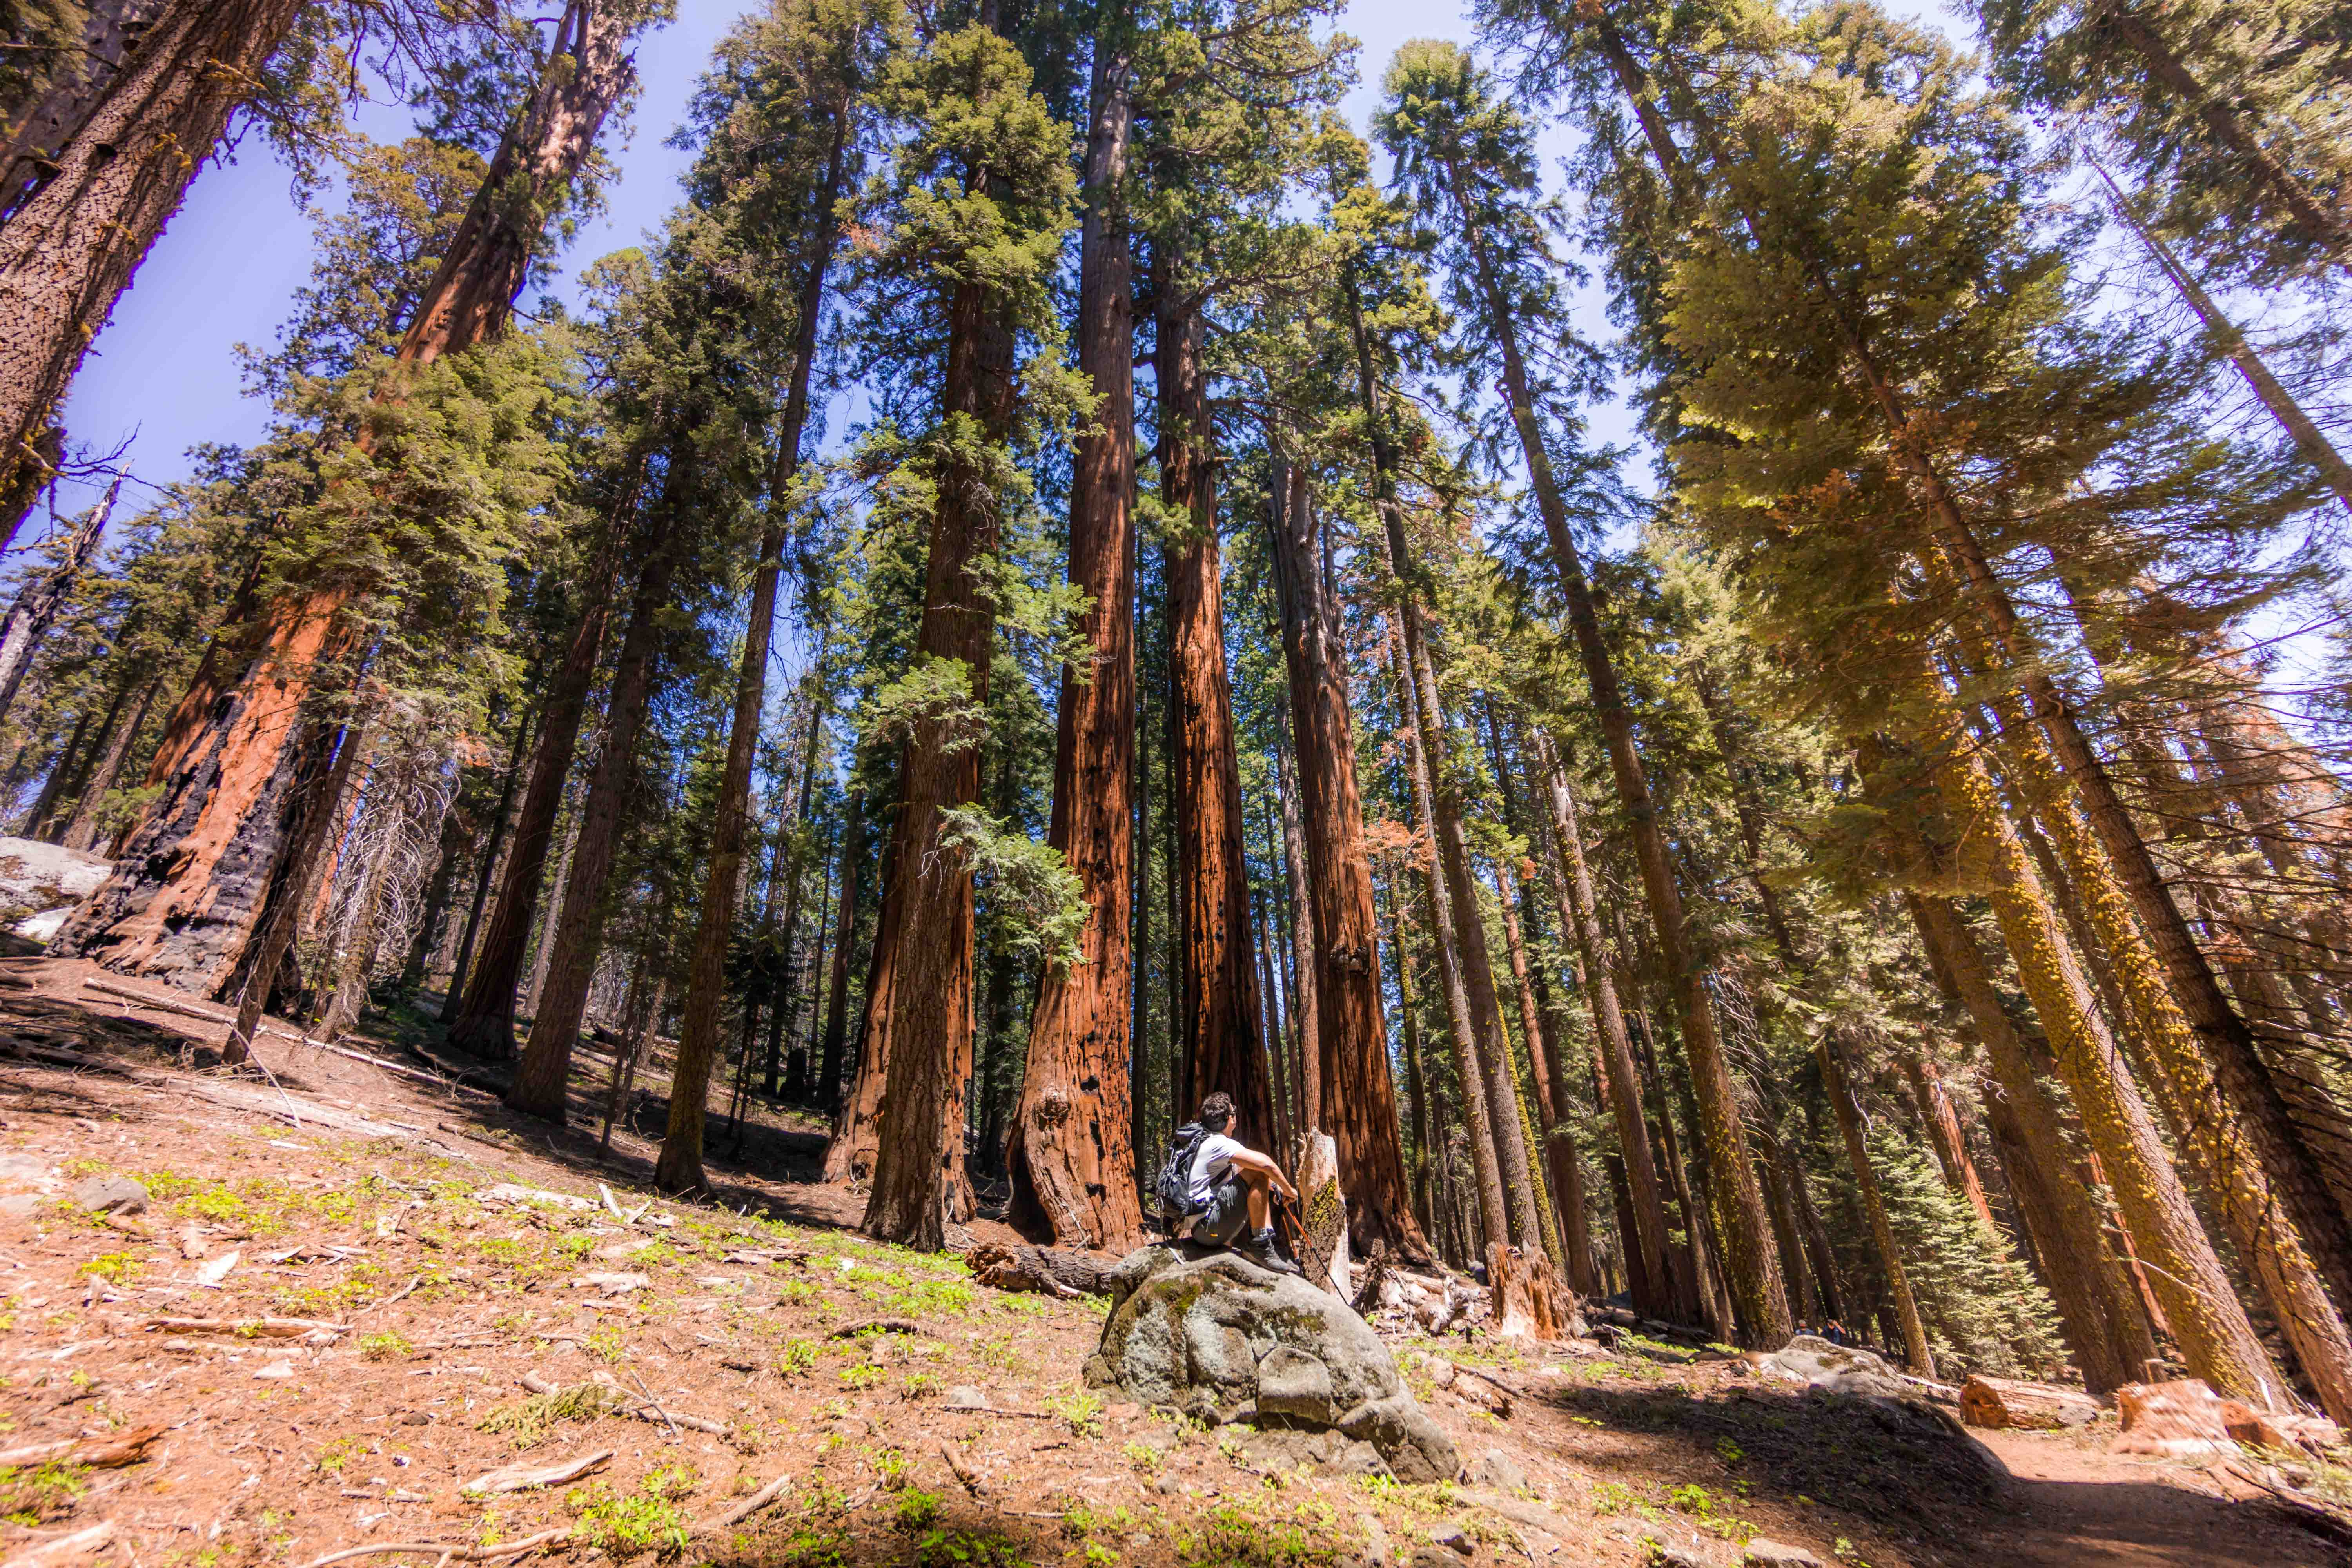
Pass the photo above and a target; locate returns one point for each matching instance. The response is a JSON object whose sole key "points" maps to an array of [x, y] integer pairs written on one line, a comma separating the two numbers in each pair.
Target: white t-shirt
{"points": [[1211, 1161]]}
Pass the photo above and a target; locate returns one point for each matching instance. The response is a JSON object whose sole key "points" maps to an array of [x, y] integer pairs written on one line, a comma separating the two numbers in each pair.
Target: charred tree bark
{"points": [[1358, 1099], [1070, 1146]]}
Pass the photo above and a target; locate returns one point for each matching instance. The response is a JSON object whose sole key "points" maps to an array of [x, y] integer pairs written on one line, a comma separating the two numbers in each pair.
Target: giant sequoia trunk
{"points": [[182, 903], [919, 1183], [1070, 1147], [1218, 1030], [68, 253], [1358, 1099], [35, 132]]}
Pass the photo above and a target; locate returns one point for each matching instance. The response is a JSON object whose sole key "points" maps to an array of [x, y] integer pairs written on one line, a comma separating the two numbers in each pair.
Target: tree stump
{"points": [[1324, 1254], [1530, 1301], [1998, 1404]]}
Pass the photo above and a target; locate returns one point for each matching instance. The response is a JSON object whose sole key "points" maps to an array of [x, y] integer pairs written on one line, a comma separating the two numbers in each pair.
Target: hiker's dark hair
{"points": [[1216, 1112]]}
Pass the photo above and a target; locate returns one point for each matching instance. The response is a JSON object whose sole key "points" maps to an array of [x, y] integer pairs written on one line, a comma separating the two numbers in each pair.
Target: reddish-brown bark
{"points": [[183, 904], [1358, 1099], [919, 1176], [1071, 1149], [1219, 1027]]}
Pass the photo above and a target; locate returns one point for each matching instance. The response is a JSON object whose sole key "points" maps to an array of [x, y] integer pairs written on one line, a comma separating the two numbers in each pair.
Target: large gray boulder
{"points": [[1221, 1338], [1840, 1369]]}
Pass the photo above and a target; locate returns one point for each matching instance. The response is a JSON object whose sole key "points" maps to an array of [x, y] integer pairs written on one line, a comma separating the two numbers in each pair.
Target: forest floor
{"points": [[708, 1350]]}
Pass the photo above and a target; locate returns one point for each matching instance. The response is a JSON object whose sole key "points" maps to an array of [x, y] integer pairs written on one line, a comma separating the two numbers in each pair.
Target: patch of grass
{"points": [[1232, 1534], [31, 1493], [1081, 1411], [806, 1548], [967, 1549], [603, 1343], [920, 1384], [338, 1452], [796, 1358], [385, 1346], [917, 1509], [647, 1519], [114, 1267], [863, 1375], [526, 1420], [1147, 1458]]}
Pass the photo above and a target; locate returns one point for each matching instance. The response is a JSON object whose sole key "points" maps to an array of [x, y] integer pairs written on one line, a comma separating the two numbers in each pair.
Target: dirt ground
{"points": [[315, 1338]]}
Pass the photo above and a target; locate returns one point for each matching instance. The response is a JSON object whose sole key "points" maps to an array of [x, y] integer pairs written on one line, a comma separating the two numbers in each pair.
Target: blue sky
{"points": [[162, 375]]}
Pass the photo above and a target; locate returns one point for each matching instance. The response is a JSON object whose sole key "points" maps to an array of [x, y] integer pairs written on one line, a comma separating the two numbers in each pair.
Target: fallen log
{"points": [[64, 1548], [247, 1328], [91, 1453], [447, 1551], [2002, 1403], [1048, 1270]]}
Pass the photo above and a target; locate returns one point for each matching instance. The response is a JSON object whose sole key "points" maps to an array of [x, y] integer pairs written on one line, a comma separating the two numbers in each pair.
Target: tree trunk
{"points": [[456, 838], [1305, 1014], [575, 933], [679, 1169], [485, 1021], [67, 254], [845, 935], [849, 1157], [81, 829], [2227, 127], [1070, 1144], [1942, 1125], [1220, 1025], [1566, 1183], [37, 606], [1357, 1104], [1865, 1179], [2097, 1304], [35, 136], [920, 1184], [2215, 1338], [501, 830], [61, 768], [182, 904], [1573, 884]]}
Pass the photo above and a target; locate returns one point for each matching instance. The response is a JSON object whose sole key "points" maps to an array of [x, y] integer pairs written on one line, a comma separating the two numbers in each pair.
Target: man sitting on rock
{"points": [[1231, 1185]]}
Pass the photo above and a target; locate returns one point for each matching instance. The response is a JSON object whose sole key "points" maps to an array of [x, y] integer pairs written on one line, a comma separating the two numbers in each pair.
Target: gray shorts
{"points": [[1226, 1216]]}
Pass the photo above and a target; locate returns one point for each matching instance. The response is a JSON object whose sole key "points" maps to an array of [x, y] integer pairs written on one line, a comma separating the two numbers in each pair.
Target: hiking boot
{"points": [[1259, 1249]]}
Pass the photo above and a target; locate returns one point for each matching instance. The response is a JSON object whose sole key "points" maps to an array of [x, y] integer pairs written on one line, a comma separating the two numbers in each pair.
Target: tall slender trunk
{"points": [[484, 1020], [1942, 1125], [1462, 923], [1220, 1027], [1563, 1182], [1416, 1077], [81, 827], [1357, 1100], [1071, 1139], [850, 1155], [1830, 1057], [1751, 1258], [1307, 1027], [575, 933], [457, 838], [2229, 127], [501, 830], [1573, 885], [2098, 1302], [2201, 1307], [62, 764], [679, 1168], [37, 605], [844, 936], [67, 254]]}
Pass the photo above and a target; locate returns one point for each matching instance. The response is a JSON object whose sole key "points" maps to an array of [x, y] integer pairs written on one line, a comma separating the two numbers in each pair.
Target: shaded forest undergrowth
{"points": [[712, 1348]]}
